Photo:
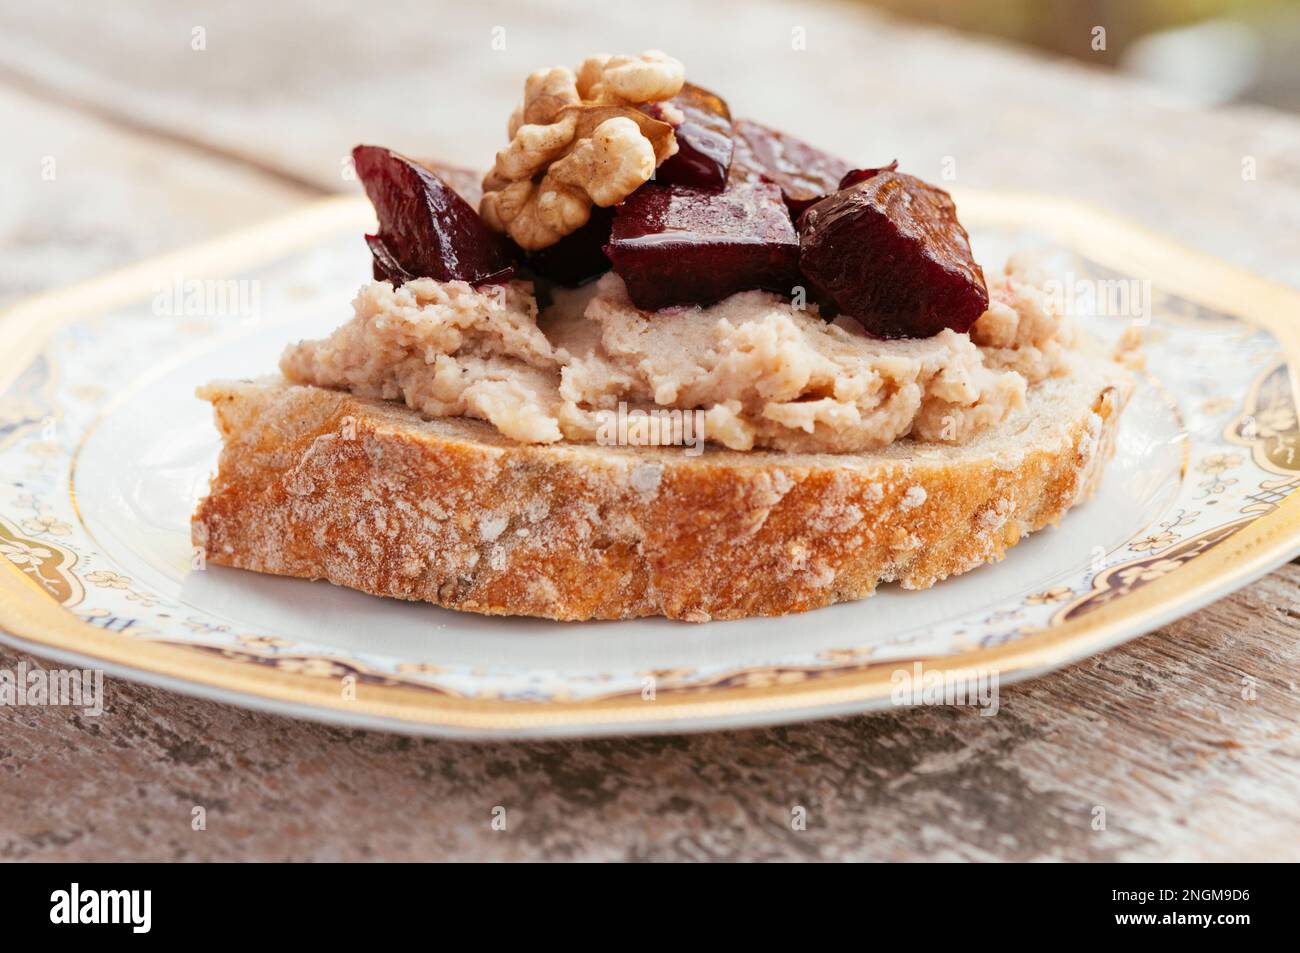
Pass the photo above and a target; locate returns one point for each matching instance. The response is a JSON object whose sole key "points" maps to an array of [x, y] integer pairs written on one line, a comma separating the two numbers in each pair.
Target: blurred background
{"points": [[1206, 52]]}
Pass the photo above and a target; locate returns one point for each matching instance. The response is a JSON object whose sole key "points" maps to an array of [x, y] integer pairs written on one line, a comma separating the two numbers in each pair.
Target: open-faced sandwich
{"points": [[662, 362]]}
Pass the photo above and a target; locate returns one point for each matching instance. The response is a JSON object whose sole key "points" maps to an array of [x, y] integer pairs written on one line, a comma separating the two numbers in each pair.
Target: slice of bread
{"points": [[319, 484]]}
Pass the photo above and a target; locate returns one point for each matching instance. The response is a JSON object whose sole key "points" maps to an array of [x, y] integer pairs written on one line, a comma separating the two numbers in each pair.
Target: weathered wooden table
{"points": [[165, 126]]}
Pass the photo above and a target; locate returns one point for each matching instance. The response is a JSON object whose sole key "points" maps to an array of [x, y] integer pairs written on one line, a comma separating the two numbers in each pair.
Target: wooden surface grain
{"points": [[114, 196], [1156, 733], [157, 144]]}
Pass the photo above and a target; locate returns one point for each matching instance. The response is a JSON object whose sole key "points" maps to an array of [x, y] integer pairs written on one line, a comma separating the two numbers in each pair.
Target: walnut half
{"points": [[578, 141], [648, 78]]}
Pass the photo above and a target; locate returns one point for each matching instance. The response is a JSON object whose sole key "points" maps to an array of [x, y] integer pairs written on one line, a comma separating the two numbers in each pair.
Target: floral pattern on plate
{"points": [[1240, 464]]}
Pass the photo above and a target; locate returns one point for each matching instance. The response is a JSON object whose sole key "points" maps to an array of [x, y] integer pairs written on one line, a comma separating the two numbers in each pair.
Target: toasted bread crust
{"points": [[322, 485]]}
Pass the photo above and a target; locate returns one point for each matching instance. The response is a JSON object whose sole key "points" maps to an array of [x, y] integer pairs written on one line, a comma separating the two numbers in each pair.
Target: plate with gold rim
{"points": [[104, 451]]}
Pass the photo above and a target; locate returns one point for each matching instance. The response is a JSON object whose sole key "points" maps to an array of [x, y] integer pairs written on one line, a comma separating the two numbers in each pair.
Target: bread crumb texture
{"points": [[324, 484]]}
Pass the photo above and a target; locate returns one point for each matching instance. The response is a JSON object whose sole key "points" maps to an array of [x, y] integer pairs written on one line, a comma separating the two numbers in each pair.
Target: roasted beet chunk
{"points": [[704, 140], [577, 257], [672, 245], [854, 176], [890, 252], [804, 173], [426, 230], [466, 183]]}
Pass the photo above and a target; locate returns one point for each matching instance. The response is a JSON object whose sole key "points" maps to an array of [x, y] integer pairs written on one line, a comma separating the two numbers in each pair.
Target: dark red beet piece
{"points": [[383, 266], [426, 230], [890, 252], [805, 173], [578, 257], [854, 176], [673, 245], [466, 183], [704, 140]]}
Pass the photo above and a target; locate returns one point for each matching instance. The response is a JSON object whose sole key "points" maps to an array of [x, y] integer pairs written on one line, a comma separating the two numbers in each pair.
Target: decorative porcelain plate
{"points": [[104, 451]]}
